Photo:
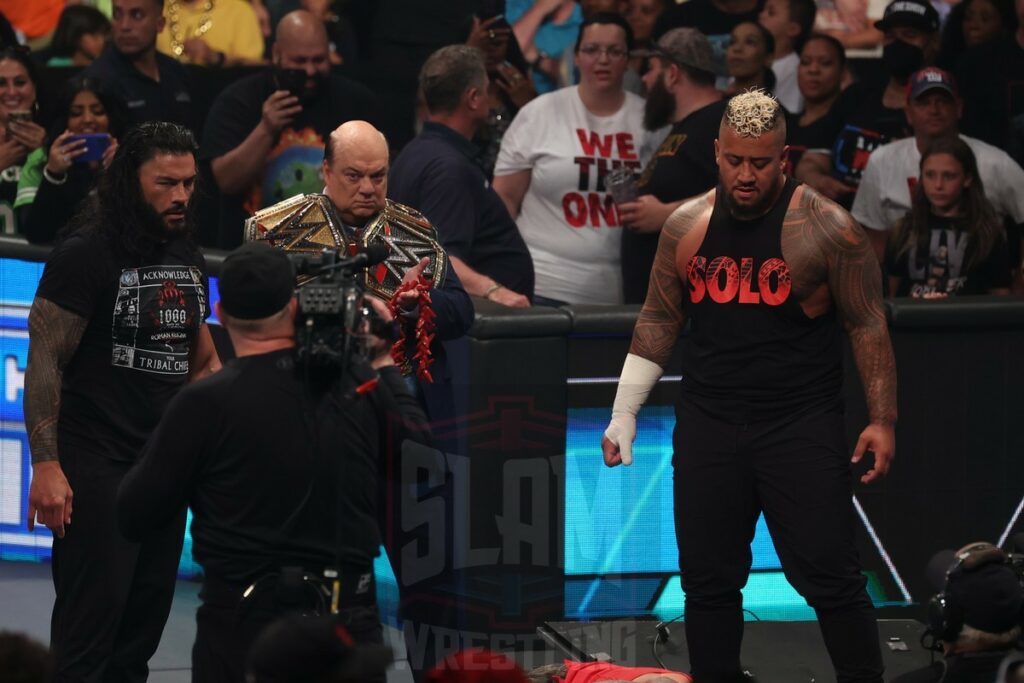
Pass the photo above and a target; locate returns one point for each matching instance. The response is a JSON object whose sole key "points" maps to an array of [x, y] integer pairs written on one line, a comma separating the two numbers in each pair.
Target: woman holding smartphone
{"points": [[54, 181], [19, 115]]}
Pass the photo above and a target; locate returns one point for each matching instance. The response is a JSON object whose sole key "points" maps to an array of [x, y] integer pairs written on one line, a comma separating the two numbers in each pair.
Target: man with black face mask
{"points": [[910, 42], [681, 91], [264, 135]]}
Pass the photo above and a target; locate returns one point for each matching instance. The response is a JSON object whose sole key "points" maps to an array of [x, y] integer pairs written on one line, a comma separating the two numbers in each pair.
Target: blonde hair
{"points": [[753, 113]]}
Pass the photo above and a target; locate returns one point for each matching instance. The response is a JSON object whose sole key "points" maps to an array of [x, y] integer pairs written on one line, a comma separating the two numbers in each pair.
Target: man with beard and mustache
{"points": [[681, 90], [264, 136], [766, 269], [116, 328]]}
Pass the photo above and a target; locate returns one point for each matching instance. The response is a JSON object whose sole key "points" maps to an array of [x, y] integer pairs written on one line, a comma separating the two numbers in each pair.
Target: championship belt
{"points": [[305, 223], [309, 224], [409, 236]]}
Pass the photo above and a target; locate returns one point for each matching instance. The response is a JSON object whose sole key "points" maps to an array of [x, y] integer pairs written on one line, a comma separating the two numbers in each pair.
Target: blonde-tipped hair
{"points": [[753, 113]]}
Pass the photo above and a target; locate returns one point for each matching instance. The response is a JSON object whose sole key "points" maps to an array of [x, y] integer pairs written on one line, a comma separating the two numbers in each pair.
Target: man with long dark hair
{"points": [[116, 328]]}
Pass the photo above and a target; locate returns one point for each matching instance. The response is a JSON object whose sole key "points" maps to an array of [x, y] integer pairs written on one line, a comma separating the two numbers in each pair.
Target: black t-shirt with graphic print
{"points": [[868, 125], [134, 355], [293, 164], [944, 268]]}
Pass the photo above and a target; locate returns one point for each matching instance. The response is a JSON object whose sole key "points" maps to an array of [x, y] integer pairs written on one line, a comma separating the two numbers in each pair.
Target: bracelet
{"points": [[53, 179], [492, 289]]}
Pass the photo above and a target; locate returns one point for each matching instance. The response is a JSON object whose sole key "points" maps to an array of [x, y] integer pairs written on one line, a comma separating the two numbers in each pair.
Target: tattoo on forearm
{"points": [[855, 281], [54, 334], [661, 318]]}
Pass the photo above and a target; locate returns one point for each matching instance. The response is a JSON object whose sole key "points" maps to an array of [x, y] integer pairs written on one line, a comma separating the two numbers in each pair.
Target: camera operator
{"points": [[280, 473], [976, 618]]}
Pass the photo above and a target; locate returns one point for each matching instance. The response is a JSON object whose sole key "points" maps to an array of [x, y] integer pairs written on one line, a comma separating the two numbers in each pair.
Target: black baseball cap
{"points": [[296, 649], [914, 13], [991, 597], [256, 281]]}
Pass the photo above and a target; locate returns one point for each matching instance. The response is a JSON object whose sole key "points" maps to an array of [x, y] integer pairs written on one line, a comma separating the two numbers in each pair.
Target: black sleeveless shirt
{"points": [[752, 353]]}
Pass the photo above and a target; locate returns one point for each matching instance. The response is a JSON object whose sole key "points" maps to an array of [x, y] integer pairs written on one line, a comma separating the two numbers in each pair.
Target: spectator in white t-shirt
{"points": [[789, 22], [552, 164], [933, 112]]}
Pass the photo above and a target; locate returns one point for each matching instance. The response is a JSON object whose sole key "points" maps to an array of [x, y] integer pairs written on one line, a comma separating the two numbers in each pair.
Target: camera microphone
{"points": [[371, 255], [320, 263], [365, 257]]}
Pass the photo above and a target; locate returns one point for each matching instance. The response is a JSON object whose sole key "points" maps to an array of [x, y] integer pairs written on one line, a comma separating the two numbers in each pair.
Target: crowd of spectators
{"points": [[570, 91]]}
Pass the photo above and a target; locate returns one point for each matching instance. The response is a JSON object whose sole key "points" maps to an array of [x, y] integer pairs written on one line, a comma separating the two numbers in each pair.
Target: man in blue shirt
{"points": [[436, 174]]}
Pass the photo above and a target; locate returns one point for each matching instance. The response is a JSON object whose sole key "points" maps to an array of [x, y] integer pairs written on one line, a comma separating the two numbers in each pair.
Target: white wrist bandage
{"points": [[639, 376]]}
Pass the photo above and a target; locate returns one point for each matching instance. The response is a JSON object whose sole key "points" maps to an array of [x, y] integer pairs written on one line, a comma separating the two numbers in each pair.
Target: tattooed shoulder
{"points": [[833, 228], [661, 318], [689, 215]]}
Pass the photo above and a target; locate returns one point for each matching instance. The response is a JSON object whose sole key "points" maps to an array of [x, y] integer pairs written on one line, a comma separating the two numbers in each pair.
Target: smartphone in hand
{"points": [[96, 145], [13, 116], [292, 80]]}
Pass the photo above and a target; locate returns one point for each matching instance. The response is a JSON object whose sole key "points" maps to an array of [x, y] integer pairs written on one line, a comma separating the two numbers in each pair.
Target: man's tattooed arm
{"points": [[661, 318], [855, 281], [54, 334]]}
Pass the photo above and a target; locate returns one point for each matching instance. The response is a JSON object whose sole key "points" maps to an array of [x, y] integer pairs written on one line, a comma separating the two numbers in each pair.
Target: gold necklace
{"points": [[177, 32]]}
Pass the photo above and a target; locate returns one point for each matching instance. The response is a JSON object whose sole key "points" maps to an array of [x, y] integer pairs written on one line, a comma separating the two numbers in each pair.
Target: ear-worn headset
{"points": [[945, 614]]}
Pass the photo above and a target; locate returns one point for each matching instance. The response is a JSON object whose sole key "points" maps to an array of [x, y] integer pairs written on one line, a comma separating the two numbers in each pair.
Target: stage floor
{"points": [[26, 596], [26, 593], [780, 652], [774, 651]]}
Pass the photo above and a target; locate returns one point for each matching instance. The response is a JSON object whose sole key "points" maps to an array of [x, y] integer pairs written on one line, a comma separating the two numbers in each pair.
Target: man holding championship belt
{"points": [[425, 293], [354, 212]]}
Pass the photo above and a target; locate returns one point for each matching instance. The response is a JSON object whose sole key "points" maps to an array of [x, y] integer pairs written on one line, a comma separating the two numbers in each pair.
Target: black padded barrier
{"points": [[958, 475]]}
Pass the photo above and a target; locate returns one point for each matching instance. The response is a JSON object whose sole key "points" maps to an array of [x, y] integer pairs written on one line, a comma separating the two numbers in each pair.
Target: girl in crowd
{"points": [[55, 180], [19, 116], [819, 78], [973, 22], [748, 58], [80, 37], [553, 161], [950, 242]]}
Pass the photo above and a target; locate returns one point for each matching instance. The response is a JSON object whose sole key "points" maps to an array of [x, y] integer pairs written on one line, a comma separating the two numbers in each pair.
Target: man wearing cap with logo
{"points": [[280, 472], [680, 82], [911, 41], [933, 110]]}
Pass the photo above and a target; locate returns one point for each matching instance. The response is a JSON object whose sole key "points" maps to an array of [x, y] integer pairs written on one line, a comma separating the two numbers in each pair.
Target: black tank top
{"points": [[752, 353]]}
